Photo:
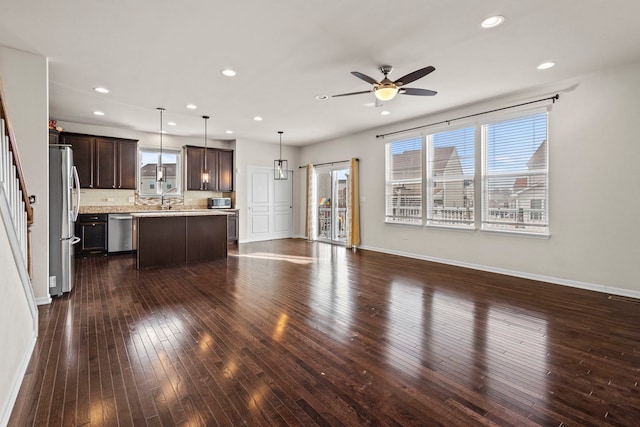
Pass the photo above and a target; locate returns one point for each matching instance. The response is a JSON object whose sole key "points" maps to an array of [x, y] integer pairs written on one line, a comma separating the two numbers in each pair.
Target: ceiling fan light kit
{"points": [[386, 90]]}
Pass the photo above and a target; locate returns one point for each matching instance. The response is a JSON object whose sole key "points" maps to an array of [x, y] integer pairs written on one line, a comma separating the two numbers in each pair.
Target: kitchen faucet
{"points": [[162, 205]]}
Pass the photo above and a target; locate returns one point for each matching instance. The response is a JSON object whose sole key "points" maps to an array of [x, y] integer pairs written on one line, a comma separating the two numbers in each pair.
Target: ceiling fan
{"points": [[386, 90]]}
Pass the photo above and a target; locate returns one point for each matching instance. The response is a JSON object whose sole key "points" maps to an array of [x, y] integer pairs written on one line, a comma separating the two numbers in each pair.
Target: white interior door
{"points": [[270, 205]]}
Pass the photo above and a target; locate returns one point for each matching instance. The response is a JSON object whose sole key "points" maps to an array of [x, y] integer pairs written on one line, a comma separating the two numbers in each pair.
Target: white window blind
{"points": [[404, 181], [515, 175], [450, 178]]}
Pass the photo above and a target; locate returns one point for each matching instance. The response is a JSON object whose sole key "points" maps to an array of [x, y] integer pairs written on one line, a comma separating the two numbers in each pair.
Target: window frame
{"points": [[430, 180], [480, 178], [167, 193], [493, 227], [389, 182]]}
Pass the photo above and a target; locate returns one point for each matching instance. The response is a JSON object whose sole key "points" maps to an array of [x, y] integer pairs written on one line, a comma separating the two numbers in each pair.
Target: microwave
{"points": [[219, 203]]}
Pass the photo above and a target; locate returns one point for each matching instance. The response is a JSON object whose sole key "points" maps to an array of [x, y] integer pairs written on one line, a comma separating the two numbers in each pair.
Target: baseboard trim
{"points": [[43, 300], [17, 383], [549, 279]]}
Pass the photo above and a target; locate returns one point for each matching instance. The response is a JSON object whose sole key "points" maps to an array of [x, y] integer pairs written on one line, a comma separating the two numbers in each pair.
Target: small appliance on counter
{"points": [[219, 203]]}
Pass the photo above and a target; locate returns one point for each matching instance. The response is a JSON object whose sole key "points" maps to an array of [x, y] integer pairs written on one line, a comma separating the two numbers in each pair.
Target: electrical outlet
{"points": [[132, 199], [109, 199], [404, 236]]}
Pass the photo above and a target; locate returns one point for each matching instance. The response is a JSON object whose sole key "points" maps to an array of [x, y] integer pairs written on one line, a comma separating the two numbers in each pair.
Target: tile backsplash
{"points": [[91, 197]]}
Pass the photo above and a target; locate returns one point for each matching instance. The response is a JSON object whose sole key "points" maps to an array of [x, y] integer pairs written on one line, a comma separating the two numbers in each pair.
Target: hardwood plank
{"points": [[296, 333]]}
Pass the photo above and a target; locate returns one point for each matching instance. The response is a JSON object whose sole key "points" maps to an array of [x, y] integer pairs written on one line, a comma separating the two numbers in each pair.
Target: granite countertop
{"points": [[159, 213], [141, 209]]}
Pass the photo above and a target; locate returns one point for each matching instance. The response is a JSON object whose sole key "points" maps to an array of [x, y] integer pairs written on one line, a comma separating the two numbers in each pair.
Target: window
{"points": [[149, 158], [450, 178], [515, 175], [509, 165], [404, 181]]}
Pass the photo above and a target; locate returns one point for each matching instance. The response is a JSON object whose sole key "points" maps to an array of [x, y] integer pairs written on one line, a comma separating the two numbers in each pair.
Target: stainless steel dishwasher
{"points": [[120, 233]]}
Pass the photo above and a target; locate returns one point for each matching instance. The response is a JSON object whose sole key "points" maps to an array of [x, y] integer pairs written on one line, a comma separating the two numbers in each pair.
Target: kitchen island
{"points": [[179, 237]]}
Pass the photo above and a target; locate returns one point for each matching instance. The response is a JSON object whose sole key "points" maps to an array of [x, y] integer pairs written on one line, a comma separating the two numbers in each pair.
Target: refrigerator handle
{"points": [[76, 208]]}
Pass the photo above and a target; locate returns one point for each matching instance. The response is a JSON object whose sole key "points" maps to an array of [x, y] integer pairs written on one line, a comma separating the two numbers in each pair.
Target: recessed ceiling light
{"points": [[492, 21], [385, 113], [98, 113], [229, 72], [171, 123], [191, 106], [322, 97], [257, 118], [228, 131], [546, 65], [101, 89]]}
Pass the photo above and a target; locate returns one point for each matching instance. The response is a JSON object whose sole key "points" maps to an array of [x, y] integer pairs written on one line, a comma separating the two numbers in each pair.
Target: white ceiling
{"points": [[162, 53]]}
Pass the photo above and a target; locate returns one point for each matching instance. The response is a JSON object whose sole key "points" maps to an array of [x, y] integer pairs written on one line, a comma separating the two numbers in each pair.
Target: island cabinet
{"points": [[179, 238], [219, 163], [103, 162]]}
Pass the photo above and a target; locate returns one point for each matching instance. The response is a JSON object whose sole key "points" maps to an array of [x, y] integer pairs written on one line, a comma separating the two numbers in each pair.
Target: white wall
{"points": [[25, 82], [250, 153], [594, 181]]}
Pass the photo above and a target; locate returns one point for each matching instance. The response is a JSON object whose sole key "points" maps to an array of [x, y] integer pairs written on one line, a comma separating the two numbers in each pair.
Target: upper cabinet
{"points": [[219, 163], [103, 162]]}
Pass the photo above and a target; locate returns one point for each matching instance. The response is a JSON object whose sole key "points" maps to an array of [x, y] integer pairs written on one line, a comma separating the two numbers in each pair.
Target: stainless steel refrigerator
{"points": [[64, 204]]}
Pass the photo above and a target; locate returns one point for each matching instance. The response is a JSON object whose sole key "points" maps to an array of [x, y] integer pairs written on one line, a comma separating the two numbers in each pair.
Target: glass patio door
{"points": [[331, 189]]}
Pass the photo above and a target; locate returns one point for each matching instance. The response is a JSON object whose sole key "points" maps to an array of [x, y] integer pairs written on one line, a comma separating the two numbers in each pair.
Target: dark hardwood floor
{"points": [[295, 333]]}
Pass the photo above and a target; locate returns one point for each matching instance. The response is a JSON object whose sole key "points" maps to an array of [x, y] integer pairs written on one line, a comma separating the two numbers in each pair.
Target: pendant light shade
{"points": [[205, 169], [280, 166], [161, 174]]}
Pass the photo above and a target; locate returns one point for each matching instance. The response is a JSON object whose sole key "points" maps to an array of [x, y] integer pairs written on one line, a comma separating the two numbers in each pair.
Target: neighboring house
{"points": [[529, 193], [525, 199], [456, 193], [148, 177]]}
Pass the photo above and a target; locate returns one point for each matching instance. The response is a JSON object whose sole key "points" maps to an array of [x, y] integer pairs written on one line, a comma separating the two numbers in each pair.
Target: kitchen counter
{"points": [[137, 208], [199, 212]]}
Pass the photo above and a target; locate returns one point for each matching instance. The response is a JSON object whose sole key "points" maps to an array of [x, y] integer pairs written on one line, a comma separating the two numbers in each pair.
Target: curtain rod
{"points": [[554, 98], [328, 163]]}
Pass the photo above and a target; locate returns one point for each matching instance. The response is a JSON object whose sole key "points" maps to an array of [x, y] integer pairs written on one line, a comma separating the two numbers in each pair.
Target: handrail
{"points": [[19, 174]]}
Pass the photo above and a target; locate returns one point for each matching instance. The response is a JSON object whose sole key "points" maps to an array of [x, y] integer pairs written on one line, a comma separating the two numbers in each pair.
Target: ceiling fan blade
{"points": [[418, 92], [411, 77], [351, 93], [364, 77]]}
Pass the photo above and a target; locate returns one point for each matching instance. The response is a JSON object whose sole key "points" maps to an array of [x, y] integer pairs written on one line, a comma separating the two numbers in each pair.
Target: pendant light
{"points": [[205, 170], [161, 171], [280, 166]]}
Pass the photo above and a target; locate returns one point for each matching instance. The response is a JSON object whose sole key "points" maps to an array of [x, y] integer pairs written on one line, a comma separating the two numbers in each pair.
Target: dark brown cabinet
{"points": [[103, 162], [171, 240], [219, 164], [54, 136], [232, 226], [225, 170], [83, 157]]}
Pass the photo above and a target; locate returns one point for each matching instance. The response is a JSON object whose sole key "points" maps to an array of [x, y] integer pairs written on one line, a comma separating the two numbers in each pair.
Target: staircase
{"points": [[18, 310]]}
